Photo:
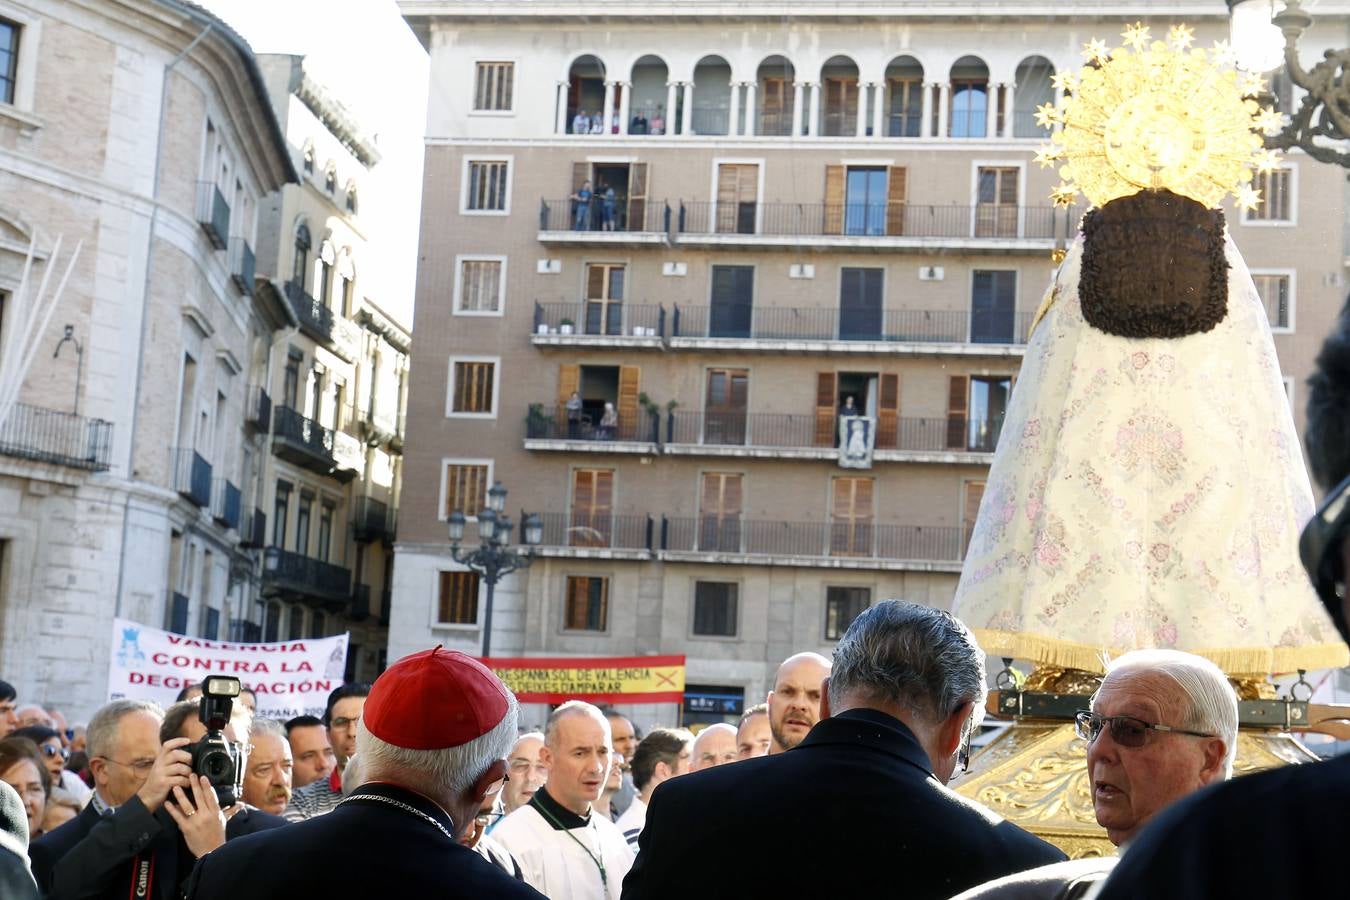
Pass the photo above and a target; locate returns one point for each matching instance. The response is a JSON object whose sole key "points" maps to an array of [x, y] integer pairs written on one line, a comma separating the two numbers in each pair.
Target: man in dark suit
{"points": [[860, 807], [432, 745], [149, 819]]}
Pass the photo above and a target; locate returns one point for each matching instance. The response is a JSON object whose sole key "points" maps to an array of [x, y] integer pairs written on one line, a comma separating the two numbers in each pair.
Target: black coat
{"points": [[1272, 834], [92, 856], [852, 811], [364, 848]]}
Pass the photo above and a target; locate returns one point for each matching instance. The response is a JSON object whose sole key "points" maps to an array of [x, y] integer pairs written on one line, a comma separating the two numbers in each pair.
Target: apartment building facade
{"points": [[325, 510], [138, 130], [734, 301]]}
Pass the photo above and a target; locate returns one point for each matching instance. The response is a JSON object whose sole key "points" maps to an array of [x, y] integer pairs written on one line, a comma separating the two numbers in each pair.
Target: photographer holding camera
{"points": [[158, 806]]}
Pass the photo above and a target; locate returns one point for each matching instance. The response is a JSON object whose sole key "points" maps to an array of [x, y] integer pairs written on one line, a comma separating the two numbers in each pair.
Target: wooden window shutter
{"points": [[569, 380], [595, 281], [637, 197], [974, 494], [629, 379], [592, 503], [581, 173], [957, 406], [825, 400], [728, 179], [888, 411], [834, 199], [895, 200], [721, 495]]}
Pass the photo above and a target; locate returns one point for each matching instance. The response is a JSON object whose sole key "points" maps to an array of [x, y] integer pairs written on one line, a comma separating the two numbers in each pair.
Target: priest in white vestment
{"points": [[567, 850]]}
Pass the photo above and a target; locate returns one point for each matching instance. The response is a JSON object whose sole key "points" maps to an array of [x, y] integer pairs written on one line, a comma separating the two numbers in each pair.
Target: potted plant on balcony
{"points": [[565, 326], [538, 423]]}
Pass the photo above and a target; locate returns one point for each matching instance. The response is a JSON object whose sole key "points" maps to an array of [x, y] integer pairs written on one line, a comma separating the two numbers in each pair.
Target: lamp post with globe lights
{"points": [[493, 558]]}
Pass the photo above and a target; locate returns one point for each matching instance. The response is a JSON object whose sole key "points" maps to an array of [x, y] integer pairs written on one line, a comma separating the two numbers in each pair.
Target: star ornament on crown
{"points": [[1157, 114]]}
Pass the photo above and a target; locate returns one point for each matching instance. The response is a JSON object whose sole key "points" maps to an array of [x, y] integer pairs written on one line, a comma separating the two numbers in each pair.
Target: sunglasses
{"points": [[49, 750], [1319, 548], [1127, 731]]}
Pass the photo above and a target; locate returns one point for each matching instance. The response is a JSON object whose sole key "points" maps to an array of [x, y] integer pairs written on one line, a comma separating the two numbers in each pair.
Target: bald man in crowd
{"points": [[752, 737], [714, 746], [794, 702]]}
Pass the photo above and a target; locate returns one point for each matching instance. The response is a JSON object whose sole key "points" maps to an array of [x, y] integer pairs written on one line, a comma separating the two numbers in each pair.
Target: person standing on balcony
{"points": [[607, 201], [581, 123], [573, 416], [608, 422], [658, 123], [582, 199]]}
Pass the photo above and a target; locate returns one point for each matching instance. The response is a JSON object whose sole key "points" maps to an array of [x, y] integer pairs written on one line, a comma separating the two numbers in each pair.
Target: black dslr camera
{"points": [[220, 760]]}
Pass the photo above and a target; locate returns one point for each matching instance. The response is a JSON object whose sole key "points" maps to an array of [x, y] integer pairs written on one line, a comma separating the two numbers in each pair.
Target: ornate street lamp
{"points": [[493, 558], [1323, 116]]}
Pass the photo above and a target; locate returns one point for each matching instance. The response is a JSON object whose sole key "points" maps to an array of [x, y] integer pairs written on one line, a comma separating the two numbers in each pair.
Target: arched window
{"points": [[330, 178], [300, 268], [351, 196], [309, 158]]}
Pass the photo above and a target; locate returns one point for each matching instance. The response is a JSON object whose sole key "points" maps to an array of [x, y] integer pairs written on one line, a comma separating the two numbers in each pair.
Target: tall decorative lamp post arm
{"points": [[493, 558]]}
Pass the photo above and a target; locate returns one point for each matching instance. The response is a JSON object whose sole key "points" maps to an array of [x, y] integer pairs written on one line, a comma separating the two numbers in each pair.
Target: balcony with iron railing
{"points": [[307, 443], [632, 223], [598, 323], [813, 436], [226, 500], [243, 265], [852, 543], [555, 427], [191, 475], [312, 581], [880, 226], [213, 214], [372, 520], [47, 436], [977, 332], [336, 333]]}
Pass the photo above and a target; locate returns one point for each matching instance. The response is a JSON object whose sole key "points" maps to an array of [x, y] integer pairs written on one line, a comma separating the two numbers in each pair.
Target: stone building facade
{"points": [[141, 131], [725, 223]]}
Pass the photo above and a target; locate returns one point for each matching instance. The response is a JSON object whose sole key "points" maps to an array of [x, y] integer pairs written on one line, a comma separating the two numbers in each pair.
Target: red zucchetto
{"points": [[435, 700]]}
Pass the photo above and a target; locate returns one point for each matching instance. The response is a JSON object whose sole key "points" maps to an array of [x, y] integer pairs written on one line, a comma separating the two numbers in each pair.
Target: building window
{"points": [[302, 517], [993, 306], [996, 190], [851, 519], [280, 508], [480, 285], [715, 608], [587, 604], [1277, 197], [842, 606], [308, 161], [351, 197], [330, 179], [300, 265], [295, 628], [318, 625], [458, 600], [492, 87], [465, 488], [969, 107], [325, 530], [473, 387], [1277, 297], [487, 186], [272, 626], [9, 59]]}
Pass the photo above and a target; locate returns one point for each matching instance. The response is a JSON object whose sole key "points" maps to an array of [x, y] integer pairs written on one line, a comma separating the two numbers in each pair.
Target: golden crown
{"points": [[1158, 114]]}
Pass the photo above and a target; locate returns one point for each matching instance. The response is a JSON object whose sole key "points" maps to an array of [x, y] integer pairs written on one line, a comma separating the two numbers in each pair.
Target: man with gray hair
{"points": [[865, 789], [1162, 725], [432, 741]]}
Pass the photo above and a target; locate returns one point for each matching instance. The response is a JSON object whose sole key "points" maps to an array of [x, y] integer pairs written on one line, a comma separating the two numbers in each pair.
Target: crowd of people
{"points": [[836, 786]]}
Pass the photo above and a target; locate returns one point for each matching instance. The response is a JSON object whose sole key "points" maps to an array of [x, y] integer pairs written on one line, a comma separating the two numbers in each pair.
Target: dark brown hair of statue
{"points": [[1153, 266]]}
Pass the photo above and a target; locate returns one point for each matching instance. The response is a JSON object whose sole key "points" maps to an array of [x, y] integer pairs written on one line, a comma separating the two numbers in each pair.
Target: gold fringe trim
{"points": [[1254, 661]]}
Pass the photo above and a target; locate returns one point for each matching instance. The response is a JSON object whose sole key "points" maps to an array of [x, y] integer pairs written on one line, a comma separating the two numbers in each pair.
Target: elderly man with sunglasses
{"points": [[1163, 724]]}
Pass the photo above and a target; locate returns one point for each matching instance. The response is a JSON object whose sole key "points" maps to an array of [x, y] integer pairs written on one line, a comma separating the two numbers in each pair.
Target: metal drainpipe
{"points": [[145, 295]]}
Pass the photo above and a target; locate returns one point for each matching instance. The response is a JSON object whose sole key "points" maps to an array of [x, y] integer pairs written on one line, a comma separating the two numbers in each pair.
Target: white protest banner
{"points": [[290, 678]]}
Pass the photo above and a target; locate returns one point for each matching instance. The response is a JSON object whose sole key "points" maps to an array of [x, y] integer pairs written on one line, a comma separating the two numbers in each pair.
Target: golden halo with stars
{"points": [[1157, 114]]}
